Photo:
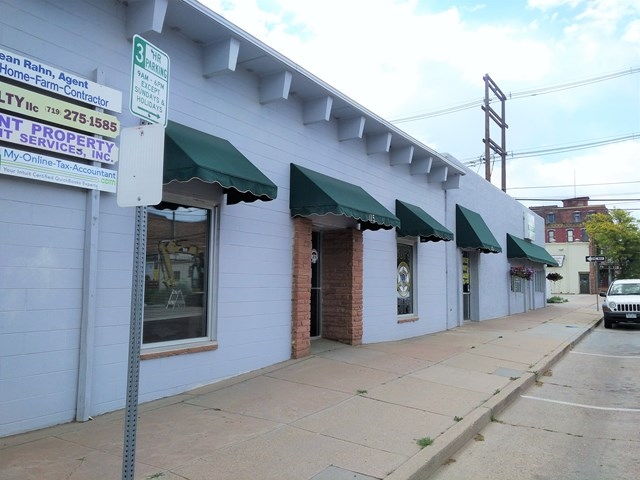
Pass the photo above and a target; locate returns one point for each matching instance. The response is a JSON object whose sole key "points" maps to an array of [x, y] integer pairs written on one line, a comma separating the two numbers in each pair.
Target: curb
{"points": [[425, 463]]}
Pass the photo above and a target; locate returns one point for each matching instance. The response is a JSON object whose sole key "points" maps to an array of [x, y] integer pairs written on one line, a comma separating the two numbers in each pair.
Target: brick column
{"points": [[342, 286], [301, 294]]}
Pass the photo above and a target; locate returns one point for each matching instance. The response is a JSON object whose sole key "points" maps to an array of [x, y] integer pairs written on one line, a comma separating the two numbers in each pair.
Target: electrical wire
{"points": [[471, 162], [519, 94]]}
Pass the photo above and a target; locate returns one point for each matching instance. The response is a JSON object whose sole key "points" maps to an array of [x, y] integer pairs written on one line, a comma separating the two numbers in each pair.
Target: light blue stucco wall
{"points": [[42, 231]]}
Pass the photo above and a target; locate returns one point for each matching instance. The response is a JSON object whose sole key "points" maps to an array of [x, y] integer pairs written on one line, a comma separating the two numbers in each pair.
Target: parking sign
{"points": [[149, 82]]}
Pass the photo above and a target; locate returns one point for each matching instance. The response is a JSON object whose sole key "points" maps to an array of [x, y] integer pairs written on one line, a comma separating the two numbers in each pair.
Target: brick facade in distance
{"points": [[565, 224], [570, 217]]}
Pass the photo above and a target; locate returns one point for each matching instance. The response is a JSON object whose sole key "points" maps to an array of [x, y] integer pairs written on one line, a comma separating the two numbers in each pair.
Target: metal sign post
{"points": [[597, 286], [140, 185], [597, 259], [135, 339]]}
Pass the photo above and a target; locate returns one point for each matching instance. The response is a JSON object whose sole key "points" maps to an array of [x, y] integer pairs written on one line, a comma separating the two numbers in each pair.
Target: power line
{"points": [[520, 94], [473, 161], [574, 185], [608, 200]]}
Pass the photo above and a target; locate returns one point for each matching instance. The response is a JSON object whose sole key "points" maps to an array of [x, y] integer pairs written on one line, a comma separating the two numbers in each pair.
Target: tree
{"points": [[618, 236]]}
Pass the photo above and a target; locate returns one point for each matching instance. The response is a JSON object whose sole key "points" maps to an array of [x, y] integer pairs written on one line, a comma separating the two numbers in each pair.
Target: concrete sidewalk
{"points": [[342, 413]]}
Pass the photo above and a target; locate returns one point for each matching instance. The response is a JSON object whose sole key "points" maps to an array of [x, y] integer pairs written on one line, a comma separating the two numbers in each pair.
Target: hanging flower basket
{"points": [[522, 272], [554, 276]]}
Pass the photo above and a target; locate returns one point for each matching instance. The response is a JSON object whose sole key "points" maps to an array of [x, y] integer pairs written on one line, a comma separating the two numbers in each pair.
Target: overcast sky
{"points": [[411, 58]]}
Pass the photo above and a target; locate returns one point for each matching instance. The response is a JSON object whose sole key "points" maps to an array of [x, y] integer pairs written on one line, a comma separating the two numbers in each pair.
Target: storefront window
{"points": [[177, 274], [516, 284], [540, 282], [405, 276]]}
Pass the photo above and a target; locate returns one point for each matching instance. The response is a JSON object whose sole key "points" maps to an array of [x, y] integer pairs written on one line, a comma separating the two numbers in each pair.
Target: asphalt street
{"points": [[580, 421]]}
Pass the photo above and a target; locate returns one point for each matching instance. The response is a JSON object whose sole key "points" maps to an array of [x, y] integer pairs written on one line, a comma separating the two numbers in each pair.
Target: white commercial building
{"points": [[288, 213]]}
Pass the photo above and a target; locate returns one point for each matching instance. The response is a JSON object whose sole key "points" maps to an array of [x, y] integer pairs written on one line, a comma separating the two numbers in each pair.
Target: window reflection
{"points": [[176, 273]]}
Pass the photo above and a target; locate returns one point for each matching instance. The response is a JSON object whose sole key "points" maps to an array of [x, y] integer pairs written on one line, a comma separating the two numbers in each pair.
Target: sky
{"points": [[570, 70]]}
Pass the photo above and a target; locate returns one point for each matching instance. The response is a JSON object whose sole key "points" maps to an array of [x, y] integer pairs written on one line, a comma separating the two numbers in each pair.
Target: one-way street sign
{"points": [[595, 258]]}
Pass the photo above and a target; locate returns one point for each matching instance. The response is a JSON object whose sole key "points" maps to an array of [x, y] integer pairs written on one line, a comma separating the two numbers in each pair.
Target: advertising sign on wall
{"points": [[46, 137], [32, 104], [38, 74], [55, 170]]}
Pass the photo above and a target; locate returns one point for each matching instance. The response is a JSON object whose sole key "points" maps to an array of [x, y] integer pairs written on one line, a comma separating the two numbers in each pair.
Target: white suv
{"points": [[622, 302]]}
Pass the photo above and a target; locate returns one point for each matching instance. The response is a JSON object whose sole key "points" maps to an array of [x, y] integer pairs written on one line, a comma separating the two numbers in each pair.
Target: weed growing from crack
{"points": [[424, 442]]}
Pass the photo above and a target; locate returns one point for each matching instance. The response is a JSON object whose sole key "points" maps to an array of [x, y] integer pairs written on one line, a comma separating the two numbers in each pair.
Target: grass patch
{"points": [[361, 392], [457, 418], [556, 299], [424, 442]]}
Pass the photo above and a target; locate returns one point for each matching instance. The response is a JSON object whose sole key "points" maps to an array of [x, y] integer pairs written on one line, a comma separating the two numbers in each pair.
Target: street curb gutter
{"points": [[425, 463]]}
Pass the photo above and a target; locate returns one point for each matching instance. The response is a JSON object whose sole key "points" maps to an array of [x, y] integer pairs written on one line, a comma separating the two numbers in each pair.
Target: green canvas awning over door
{"points": [[520, 248], [190, 154], [313, 193], [473, 233], [415, 222]]}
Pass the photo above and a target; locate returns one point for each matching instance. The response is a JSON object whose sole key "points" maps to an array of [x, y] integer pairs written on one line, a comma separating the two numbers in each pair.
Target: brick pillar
{"points": [[342, 286], [301, 294]]}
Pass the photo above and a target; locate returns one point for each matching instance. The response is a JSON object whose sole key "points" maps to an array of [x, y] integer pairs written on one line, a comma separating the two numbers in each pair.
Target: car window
{"points": [[625, 289], [631, 289]]}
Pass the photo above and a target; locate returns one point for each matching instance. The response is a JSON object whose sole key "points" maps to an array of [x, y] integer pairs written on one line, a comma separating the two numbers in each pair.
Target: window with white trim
{"points": [[178, 275], [569, 235]]}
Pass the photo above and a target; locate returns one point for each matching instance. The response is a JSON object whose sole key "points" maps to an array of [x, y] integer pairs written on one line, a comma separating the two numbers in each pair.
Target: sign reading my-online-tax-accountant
{"points": [[149, 82]]}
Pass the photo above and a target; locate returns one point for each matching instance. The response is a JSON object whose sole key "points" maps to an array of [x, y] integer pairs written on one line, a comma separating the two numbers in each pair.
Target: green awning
{"points": [[520, 248], [415, 222], [473, 233], [190, 154], [313, 193]]}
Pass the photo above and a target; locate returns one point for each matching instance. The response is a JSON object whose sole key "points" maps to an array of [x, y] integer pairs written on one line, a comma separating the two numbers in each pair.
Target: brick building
{"points": [[567, 240]]}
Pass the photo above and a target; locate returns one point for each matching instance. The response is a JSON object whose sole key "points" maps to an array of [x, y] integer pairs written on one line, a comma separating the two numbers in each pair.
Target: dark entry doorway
{"points": [[466, 286], [316, 285], [584, 282]]}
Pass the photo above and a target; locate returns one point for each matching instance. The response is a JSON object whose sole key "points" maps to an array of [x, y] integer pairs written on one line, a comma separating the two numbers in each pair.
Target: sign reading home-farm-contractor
{"points": [[38, 74], [36, 122]]}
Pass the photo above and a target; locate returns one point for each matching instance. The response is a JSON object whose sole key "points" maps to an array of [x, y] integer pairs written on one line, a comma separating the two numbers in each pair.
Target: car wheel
{"points": [[608, 323]]}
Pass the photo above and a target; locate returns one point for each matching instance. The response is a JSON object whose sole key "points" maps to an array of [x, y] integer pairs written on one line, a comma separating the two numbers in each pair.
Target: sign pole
{"points": [[597, 285], [135, 339], [141, 170]]}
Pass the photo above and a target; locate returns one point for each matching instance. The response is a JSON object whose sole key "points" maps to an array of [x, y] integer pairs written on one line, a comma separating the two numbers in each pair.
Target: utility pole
{"points": [[491, 114]]}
